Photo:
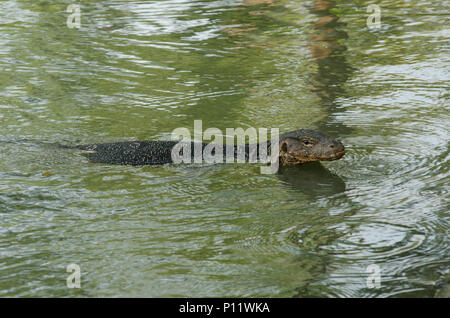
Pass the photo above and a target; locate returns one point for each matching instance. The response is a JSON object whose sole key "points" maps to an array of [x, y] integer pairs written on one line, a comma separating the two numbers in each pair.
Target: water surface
{"points": [[137, 70]]}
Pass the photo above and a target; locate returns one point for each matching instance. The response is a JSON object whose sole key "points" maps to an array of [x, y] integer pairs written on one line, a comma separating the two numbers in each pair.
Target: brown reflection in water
{"points": [[246, 27], [328, 53], [256, 2]]}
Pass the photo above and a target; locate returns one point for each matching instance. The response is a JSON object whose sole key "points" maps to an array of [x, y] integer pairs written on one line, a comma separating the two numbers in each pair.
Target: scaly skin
{"points": [[295, 147], [305, 145]]}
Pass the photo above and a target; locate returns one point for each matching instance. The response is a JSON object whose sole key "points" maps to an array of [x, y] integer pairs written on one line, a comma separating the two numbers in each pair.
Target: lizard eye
{"points": [[308, 142]]}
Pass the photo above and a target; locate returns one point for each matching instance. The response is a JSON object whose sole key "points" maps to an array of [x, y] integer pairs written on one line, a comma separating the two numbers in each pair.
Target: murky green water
{"points": [[137, 70]]}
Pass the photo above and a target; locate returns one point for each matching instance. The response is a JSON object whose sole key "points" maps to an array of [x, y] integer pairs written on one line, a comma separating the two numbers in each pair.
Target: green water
{"points": [[136, 70]]}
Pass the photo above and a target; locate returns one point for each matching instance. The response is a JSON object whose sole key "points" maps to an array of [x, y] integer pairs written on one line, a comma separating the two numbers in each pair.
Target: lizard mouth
{"points": [[292, 159], [334, 156]]}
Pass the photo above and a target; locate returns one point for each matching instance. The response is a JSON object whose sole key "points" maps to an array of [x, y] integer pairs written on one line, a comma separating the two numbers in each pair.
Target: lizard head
{"points": [[306, 145]]}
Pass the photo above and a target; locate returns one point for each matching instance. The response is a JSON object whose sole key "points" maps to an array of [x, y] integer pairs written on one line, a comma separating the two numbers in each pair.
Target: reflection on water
{"points": [[139, 69], [329, 54], [312, 179]]}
